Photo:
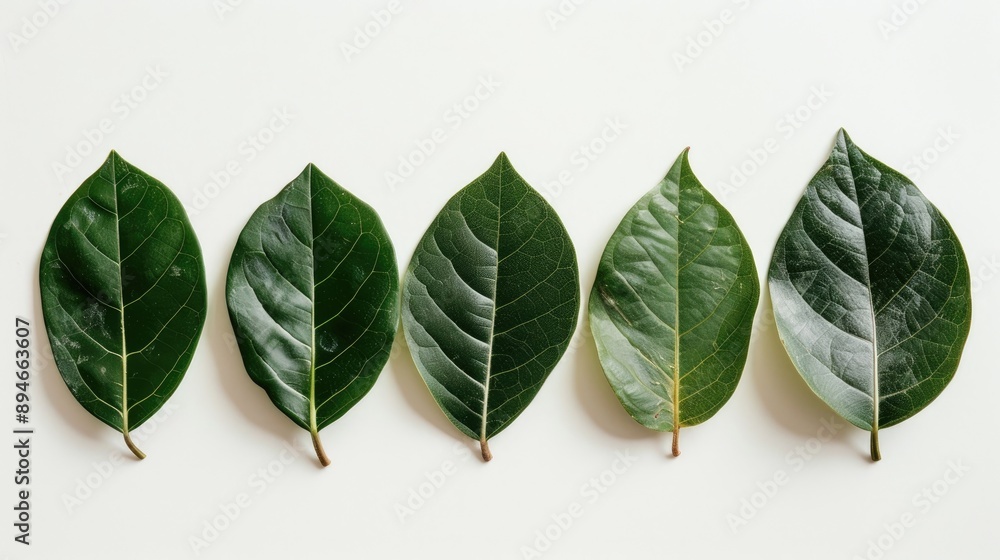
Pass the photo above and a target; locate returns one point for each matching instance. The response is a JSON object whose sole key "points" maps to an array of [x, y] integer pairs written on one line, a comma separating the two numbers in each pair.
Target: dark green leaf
{"points": [[871, 292], [123, 294], [313, 294], [673, 305], [490, 301]]}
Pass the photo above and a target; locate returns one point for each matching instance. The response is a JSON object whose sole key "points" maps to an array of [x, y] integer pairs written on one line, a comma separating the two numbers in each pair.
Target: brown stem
{"points": [[318, 446], [876, 453], [485, 446], [676, 447], [128, 441]]}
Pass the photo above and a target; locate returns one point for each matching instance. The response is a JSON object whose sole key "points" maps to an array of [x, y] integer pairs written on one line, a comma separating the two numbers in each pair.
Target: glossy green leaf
{"points": [[123, 294], [313, 295], [871, 292], [673, 303], [490, 301]]}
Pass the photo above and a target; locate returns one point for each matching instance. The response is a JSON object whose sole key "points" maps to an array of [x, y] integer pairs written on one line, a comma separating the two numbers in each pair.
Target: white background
{"points": [[355, 116]]}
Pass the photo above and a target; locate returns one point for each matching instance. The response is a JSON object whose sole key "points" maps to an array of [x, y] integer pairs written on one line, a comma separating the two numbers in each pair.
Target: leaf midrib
{"points": [[312, 308], [121, 296], [868, 285], [675, 386], [493, 316]]}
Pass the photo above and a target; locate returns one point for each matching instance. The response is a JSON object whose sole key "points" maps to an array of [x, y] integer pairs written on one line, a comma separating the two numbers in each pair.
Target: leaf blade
{"points": [[672, 304], [312, 294], [123, 293], [490, 268], [868, 269]]}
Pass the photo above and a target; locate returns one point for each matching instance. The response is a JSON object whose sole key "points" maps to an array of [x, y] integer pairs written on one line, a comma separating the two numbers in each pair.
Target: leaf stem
{"points": [[876, 453], [318, 446], [676, 446], [132, 447], [485, 447]]}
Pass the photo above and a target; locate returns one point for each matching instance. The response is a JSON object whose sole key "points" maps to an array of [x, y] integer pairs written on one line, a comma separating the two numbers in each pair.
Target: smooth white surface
{"points": [[354, 119]]}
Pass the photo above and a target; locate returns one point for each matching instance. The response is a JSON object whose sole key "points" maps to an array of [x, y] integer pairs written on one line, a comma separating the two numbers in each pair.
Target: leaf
{"points": [[871, 292], [123, 294], [490, 301], [313, 295], [673, 303]]}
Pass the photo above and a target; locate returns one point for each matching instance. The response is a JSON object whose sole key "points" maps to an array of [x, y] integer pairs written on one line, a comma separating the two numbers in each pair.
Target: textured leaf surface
{"points": [[673, 303], [871, 292], [123, 294], [313, 295], [490, 301]]}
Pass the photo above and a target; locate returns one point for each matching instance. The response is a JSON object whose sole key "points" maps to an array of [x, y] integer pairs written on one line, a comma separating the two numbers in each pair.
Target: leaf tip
{"points": [[684, 158], [842, 136], [309, 170]]}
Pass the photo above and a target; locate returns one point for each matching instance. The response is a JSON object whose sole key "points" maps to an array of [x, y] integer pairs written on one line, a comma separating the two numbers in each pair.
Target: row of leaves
{"points": [[870, 288]]}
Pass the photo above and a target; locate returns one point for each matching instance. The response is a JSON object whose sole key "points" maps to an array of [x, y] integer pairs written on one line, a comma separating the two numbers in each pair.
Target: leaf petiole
{"points": [[318, 446], [876, 453], [132, 447]]}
